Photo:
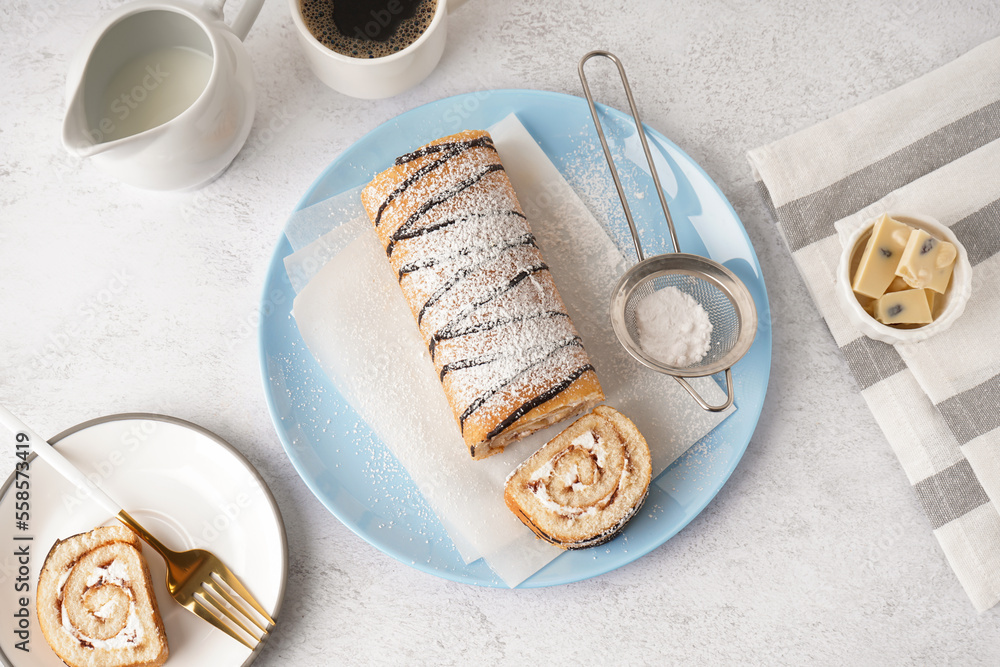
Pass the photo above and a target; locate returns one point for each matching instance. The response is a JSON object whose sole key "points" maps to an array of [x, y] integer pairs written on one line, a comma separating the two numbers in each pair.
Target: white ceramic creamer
{"points": [[161, 94]]}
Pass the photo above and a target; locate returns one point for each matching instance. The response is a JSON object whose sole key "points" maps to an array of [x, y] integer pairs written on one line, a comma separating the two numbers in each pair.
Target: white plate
{"points": [[186, 486]]}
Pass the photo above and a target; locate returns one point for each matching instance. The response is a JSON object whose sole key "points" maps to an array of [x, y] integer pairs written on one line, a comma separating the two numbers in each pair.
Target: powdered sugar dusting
{"points": [[466, 259]]}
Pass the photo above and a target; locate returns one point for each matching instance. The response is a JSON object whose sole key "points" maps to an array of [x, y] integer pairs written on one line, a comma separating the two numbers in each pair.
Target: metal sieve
{"points": [[724, 297]]}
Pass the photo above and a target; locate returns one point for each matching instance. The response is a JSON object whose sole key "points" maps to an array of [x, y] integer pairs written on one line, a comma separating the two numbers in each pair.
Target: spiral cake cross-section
{"points": [[581, 488], [96, 604]]}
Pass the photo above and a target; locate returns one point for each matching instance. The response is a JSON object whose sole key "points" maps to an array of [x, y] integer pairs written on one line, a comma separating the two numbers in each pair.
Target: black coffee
{"points": [[367, 28]]}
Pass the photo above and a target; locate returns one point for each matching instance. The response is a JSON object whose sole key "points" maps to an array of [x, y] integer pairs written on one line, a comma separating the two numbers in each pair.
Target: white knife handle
{"points": [[48, 454]]}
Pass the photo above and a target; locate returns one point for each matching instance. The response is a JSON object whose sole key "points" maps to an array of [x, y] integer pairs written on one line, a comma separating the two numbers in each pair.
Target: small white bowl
{"points": [[948, 306]]}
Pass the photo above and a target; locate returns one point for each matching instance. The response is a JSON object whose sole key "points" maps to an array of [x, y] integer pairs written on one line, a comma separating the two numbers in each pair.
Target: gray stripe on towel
{"points": [[973, 412], [810, 218], [980, 232], [765, 194], [872, 361], [951, 493]]}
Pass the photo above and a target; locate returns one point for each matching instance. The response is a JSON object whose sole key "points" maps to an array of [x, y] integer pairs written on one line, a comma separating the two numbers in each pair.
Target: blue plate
{"points": [[359, 480]]}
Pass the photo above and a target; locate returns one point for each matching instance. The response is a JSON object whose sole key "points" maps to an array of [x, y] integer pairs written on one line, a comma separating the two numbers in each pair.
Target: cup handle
{"points": [[245, 18]]}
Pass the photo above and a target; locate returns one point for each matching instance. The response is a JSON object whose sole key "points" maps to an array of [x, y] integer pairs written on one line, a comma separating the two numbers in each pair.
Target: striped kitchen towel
{"points": [[931, 146]]}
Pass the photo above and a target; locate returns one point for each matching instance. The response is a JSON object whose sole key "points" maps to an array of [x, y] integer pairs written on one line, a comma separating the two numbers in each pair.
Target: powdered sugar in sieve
{"points": [[724, 298]]}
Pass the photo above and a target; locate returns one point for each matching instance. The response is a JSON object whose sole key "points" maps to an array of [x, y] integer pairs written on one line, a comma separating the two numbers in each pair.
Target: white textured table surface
{"points": [[118, 300]]}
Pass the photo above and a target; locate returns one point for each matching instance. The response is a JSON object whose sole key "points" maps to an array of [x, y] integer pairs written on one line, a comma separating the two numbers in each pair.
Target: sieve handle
{"points": [[705, 404], [645, 149]]}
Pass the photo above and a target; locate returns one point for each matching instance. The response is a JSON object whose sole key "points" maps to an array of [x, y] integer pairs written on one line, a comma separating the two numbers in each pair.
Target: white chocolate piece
{"points": [[881, 257], [898, 285], [927, 262], [911, 306]]}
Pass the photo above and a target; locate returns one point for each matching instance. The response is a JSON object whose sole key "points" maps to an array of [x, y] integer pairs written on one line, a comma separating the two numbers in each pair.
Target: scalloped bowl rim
{"points": [[958, 291]]}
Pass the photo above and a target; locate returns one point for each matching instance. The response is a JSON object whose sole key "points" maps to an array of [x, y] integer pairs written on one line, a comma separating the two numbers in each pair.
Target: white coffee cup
{"points": [[376, 78]]}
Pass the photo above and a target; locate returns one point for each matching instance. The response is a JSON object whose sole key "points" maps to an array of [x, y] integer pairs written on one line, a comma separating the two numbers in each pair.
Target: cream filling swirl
{"points": [[114, 574], [594, 444]]}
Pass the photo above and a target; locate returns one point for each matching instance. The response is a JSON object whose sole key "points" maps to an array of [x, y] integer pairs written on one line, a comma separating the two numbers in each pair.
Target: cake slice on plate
{"points": [[96, 605]]}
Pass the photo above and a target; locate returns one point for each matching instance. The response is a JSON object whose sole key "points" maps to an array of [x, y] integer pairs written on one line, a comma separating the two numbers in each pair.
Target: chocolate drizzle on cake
{"points": [[489, 393], [525, 239], [482, 297], [528, 406], [423, 231], [450, 146], [405, 229], [469, 269], [450, 150], [490, 358], [450, 332]]}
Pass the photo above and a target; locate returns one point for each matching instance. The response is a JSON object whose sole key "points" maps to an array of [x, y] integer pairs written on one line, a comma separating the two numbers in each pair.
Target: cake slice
{"points": [[96, 605], [583, 486]]}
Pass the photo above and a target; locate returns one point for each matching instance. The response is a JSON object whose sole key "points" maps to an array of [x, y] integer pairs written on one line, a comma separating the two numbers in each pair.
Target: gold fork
{"points": [[194, 578], [190, 582]]}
